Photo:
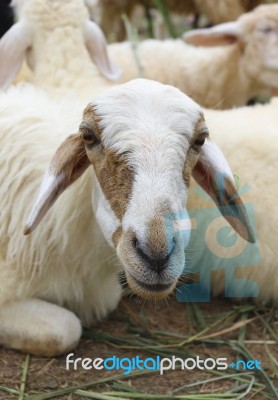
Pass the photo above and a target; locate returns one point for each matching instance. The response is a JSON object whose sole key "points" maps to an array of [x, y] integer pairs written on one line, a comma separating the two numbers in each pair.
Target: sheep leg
{"points": [[38, 327]]}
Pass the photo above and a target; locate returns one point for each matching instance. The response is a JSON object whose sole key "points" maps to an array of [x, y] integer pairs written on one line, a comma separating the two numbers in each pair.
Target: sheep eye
{"points": [[89, 137], [266, 29], [199, 142]]}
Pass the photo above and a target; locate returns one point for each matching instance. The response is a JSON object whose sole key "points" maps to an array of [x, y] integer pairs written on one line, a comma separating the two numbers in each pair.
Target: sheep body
{"points": [[202, 72], [64, 49], [217, 11], [110, 13], [61, 266], [190, 69], [63, 272], [248, 138], [226, 10]]}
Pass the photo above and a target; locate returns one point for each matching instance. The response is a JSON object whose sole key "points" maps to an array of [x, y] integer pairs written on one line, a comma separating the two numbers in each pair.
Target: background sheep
{"points": [[60, 43], [65, 262], [244, 66], [216, 11], [249, 140], [110, 13]]}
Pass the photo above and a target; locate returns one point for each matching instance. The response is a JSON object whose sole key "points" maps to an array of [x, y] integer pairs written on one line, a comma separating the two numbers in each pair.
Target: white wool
{"points": [[58, 263], [217, 11], [56, 269], [248, 138], [110, 13], [216, 77], [65, 51]]}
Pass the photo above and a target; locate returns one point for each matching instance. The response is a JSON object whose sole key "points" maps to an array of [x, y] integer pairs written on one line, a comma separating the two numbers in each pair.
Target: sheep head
{"points": [[256, 33], [144, 141], [38, 19]]}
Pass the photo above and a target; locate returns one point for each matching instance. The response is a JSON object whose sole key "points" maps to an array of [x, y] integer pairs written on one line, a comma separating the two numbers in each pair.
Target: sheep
{"points": [[6, 17], [248, 138], [217, 11], [219, 77], [143, 139], [110, 13], [60, 43]]}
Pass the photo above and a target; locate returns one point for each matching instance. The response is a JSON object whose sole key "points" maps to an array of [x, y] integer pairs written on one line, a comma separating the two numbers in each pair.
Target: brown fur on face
{"points": [[117, 236], [156, 243], [189, 164], [114, 177], [91, 120], [111, 169], [201, 132], [70, 158]]}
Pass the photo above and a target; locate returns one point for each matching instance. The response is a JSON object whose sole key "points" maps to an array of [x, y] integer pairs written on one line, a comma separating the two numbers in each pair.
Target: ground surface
{"points": [[217, 329]]}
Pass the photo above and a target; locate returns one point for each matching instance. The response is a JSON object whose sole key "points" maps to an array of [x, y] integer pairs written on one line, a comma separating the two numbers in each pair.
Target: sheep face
{"points": [[143, 144], [256, 36], [144, 140], [259, 33]]}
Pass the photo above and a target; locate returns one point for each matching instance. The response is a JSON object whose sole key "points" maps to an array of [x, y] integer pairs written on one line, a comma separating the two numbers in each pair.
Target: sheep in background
{"points": [[240, 63], [216, 11], [144, 140], [6, 16], [219, 11], [248, 137], [110, 13], [60, 43]]}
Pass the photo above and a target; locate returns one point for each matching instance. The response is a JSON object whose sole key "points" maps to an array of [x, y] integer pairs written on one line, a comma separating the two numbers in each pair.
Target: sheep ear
{"points": [[13, 46], [97, 47], [218, 35], [213, 174], [68, 164]]}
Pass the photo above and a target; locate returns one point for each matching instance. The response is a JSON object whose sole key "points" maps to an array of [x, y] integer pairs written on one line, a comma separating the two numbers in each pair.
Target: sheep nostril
{"points": [[156, 264], [135, 243]]}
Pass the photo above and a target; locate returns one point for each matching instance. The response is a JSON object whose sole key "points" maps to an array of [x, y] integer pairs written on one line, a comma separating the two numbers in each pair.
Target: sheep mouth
{"points": [[149, 291]]}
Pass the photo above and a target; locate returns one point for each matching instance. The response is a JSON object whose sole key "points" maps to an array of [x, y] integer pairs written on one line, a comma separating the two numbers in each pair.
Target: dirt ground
{"points": [[138, 324]]}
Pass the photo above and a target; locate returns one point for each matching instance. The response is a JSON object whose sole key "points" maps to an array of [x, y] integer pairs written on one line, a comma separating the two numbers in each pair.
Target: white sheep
{"points": [[217, 11], [111, 11], [144, 140], [248, 137], [244, 66], [64, 49]]}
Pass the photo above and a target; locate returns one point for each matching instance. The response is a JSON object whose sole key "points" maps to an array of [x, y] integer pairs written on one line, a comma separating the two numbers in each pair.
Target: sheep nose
{"points": [[156, 264]]}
